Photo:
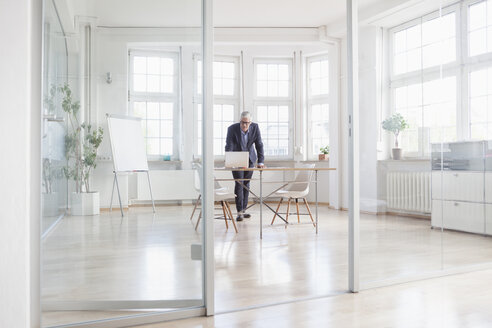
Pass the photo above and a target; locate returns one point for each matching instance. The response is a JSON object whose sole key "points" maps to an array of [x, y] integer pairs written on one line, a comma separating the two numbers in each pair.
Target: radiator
{"points": [[409, 191]]}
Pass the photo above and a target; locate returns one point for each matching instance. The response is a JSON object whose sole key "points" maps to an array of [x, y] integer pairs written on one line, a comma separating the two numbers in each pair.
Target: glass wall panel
{"points": [[291, 259], [119, 120], [54, 183], [423, 168]]}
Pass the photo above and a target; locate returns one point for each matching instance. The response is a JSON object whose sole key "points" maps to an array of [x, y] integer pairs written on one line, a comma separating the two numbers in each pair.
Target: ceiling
{"points": [[280, 13], [227, 13]]}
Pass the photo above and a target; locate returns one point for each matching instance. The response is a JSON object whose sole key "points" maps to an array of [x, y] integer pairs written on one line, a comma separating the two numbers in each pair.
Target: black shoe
{"points": [[246, 215], [239, 217]]}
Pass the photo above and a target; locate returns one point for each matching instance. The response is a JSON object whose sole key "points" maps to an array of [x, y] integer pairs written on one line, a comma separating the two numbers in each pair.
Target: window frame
{"points": [[434, 72], [233, 100], [315, 100], [420, 20], [279, 101], [174, 97]]}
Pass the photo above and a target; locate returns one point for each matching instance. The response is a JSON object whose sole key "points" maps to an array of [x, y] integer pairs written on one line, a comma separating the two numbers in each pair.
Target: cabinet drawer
{"points": [[460, 216], [436, 187], [488, 219], [463, 186], [488, 187]]}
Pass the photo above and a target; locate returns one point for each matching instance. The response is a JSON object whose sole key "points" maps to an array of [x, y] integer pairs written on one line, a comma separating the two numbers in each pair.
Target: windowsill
{"points": [[161, 161], [315, 161], [405, 160]]}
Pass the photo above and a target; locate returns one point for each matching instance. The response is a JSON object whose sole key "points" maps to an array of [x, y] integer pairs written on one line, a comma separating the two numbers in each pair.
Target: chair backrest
{"points": [[197, 167], [217, 185], [302, 179]]}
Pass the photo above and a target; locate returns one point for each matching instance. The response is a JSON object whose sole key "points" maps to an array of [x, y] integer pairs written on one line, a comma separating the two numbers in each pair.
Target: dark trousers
{"points": [[241, 192]]}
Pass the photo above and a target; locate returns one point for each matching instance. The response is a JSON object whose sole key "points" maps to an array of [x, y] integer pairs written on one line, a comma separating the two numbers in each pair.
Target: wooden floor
{"points": [[458, 301], [147, 257]]}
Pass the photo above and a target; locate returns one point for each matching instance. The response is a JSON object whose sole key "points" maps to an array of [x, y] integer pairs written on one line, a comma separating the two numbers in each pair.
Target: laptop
{"points": [[236, 159]]}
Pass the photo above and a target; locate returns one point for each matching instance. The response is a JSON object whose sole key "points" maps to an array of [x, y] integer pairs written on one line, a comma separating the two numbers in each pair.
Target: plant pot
{"points": [[50, 204], [85, 203], [323, 157], [397, 153]]}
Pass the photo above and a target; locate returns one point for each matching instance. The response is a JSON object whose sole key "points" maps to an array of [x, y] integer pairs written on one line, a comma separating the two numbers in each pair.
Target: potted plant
{"points": [[81, 145], [395, 124], [324, 151]]}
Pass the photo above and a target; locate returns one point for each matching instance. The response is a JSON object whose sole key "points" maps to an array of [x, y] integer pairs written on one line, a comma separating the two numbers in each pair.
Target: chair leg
{"points": [[198, 221], [309, 210], [230, 215], [280, 202], [287, 214], [196, 205], [225, 216], [297, 206]]}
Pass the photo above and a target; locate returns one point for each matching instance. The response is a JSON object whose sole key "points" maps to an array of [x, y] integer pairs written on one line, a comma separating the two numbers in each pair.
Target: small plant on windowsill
{"points": [[395, 124], [324, 152]]}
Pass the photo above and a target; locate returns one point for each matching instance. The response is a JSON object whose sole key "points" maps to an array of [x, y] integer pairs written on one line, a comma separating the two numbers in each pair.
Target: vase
{"points": [[397, 152], [84, 203], [323, 157]]}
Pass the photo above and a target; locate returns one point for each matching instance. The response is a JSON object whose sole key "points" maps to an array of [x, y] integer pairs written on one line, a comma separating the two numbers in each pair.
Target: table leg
{"points": [[261, 204], [316, 195]]}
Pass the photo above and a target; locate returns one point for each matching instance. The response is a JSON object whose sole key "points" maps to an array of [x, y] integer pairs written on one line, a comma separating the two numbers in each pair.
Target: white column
{"points": [[208, 156], [353, 154], [20, 167]]}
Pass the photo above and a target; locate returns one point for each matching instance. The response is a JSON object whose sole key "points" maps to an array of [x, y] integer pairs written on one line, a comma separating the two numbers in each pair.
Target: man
{"points": [[241, 137]]}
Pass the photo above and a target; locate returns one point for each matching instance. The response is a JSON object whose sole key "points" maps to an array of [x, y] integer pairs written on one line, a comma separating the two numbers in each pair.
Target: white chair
{"points": [[298, 189], [221, 194], [197, 168]]}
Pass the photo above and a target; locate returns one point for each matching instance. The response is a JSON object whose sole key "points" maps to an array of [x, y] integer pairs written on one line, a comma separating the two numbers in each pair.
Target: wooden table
{"points": [[267, 169]]}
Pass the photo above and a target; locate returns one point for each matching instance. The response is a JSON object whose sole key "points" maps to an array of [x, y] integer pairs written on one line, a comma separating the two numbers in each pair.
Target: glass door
{"points": [[143, 258]]}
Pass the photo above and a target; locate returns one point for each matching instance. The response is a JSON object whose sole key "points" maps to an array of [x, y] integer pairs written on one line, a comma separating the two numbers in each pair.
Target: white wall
{"points": [[20, 139]]}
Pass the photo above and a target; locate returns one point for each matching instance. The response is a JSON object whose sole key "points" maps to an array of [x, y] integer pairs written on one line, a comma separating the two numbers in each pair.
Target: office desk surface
{"points": [[276, 169]]}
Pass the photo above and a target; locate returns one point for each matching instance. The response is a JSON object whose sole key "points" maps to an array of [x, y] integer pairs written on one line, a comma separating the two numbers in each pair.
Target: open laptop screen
{"points": [[236, 159]]}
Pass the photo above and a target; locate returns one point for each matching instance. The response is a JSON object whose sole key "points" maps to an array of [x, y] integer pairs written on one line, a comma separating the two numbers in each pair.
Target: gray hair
{"points": [[246, 114]]}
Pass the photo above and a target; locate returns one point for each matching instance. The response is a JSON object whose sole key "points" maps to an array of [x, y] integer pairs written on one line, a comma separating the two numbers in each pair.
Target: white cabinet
{"points": [[461, 216], [462, 186]]}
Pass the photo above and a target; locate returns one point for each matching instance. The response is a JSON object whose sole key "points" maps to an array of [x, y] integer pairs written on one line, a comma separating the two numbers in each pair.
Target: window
{"points": [[480, 104], [428, 42], [318, 104], [272, 80], [430, 111], [425, 79], [226, 100], [273, 121], [480, 28], [154, 98], [273, 103]]}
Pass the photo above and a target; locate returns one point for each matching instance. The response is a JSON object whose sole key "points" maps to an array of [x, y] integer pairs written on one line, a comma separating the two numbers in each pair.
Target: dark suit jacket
{"points": [[233, 140]]}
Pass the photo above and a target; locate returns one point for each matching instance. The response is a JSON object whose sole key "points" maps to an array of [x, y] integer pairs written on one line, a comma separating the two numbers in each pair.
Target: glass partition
{"points": [[423, 169], [54, 183], [290, 87], [126, 246]]}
